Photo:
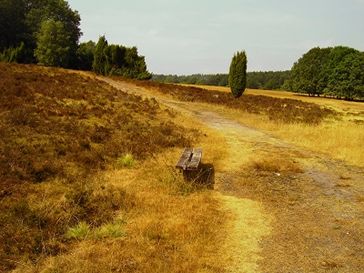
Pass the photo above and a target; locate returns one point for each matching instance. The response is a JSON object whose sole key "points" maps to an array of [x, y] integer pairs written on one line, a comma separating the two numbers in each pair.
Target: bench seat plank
{"points": [[194, 163], [185, 157]]}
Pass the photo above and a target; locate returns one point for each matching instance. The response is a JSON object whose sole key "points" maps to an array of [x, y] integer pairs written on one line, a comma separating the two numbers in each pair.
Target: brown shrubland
{"points": [[58, 132], [276, 109]]}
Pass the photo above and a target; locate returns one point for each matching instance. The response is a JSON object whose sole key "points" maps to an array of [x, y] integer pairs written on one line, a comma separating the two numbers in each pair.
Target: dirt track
{"points": [[306, 217]]}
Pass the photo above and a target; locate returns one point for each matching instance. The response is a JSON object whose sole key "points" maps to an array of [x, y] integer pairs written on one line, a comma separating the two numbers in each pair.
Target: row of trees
{"points": [[119, 60], [333, 71], [26, 26], [270, 80], [48, 31]]}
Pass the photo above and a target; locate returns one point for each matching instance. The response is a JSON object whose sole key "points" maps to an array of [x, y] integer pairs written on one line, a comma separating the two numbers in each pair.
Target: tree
{"points": [[118, 56], [53, 44], [21, 21], [38, 11], [99, 62], [13, 29], [237, 74], [336, 71], [335, 58], [85, 55], [347, 78], [306, 73]]}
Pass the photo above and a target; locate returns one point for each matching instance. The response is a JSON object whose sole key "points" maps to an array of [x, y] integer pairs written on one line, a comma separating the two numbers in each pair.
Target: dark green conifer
{"points": [[237, 74]]}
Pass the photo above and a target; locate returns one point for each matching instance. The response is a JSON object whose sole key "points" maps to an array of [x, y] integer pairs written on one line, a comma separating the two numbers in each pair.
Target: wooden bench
{"points": [[190, 160], [195, 171]]}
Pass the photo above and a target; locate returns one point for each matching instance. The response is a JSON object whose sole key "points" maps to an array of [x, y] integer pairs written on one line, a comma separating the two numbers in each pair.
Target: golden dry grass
{"points": [[338, 105], [143, 218], [170, 225], [340, 139]]}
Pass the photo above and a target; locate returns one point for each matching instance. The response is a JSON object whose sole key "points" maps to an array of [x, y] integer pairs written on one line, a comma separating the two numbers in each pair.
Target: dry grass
{"points": [[340, 139], [276, 109], [58, 131], [337, 105], [109, 213], [169, 226], [276, 164]]}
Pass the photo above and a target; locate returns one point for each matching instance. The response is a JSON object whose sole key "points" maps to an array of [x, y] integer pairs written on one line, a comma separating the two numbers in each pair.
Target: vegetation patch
{"points": [[125, 161], [277, 109]]}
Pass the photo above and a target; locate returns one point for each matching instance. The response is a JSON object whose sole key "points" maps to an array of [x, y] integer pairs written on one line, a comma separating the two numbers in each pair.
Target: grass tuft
{"points": [[110, 230], [125, 161], [79, 232]]}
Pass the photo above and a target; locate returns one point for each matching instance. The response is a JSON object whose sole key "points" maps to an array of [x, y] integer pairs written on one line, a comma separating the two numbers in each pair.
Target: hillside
{"points": [[58, 131]]}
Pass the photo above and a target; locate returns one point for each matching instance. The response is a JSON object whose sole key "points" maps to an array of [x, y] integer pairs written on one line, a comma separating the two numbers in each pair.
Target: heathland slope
{"points": [[60, 129]]}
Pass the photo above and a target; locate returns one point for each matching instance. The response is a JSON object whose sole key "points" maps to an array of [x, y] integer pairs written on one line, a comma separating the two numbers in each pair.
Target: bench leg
{"points": [[205, 175]]}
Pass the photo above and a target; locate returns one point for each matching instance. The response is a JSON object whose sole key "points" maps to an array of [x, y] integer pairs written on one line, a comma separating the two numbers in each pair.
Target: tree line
{"points": [[48, 32], [268, 80]]}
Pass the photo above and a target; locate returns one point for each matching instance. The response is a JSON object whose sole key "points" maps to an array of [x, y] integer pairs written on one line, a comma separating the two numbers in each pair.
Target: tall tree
{"points": [[38, 11], [99, 62], [237, 74], [53, 44]]}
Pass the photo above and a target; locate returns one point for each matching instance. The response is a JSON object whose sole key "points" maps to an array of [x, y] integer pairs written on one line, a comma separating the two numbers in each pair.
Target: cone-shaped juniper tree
{"points": [[237, 74]]}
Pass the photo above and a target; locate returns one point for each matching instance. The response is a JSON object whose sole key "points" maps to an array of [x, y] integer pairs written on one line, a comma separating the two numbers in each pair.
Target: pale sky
{"points": [[201, 36]]}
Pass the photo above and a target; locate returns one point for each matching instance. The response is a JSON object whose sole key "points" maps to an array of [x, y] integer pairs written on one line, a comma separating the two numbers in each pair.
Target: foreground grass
{"points": [[60, 134], [165, 226]]}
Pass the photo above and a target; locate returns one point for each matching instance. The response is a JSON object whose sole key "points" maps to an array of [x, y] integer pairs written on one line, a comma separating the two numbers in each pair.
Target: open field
{"points": [[280, 200], [336, 129]]}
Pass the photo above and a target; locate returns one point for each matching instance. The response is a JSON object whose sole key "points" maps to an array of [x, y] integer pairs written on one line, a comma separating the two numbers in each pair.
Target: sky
{"points": [[201, 36]]}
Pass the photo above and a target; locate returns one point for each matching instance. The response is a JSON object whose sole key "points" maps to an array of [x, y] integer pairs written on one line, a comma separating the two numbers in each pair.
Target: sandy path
{"points": [[310, 220]]}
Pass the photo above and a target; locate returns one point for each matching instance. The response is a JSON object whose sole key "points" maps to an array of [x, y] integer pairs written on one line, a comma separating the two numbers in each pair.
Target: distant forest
{"points": [[332, 72], [47, 32], [270, 80]]}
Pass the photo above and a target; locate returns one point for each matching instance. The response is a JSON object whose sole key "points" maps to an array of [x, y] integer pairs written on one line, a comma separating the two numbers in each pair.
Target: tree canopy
{"points": [[119, 60], [48, 32], [53, 44], [21, 22], [333, 71]]}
